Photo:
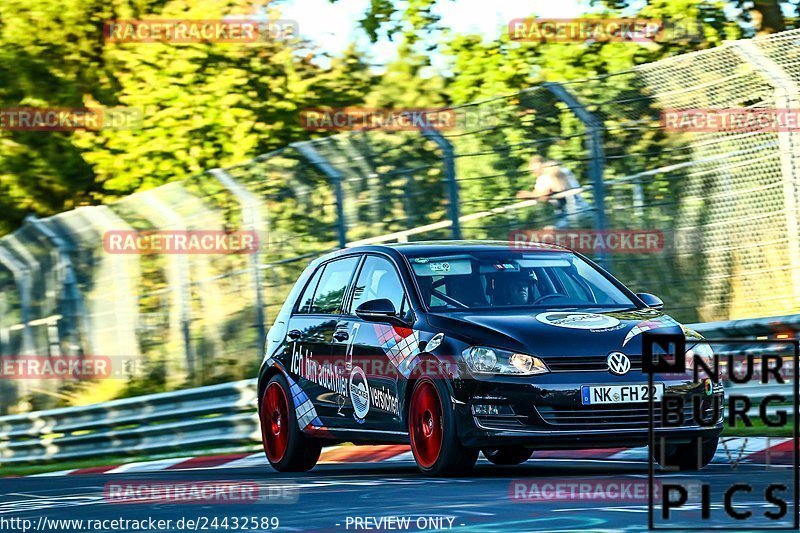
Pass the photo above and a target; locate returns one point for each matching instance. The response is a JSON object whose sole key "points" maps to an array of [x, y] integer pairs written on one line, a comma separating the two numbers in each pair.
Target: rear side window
{"points": [[332, 286], [304, 303]]}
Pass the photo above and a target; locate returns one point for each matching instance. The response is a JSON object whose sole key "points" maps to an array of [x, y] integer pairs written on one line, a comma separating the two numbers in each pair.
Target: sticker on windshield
{"points": [[563, 319], [451, 267]]}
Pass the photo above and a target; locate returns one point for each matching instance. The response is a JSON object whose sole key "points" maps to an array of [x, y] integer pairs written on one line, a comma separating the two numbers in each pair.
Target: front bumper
{"points": [[545, 412]]}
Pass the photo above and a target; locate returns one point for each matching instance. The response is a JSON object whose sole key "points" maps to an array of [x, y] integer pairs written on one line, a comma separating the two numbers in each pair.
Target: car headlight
{"points": [[701, 350], [483, 360], [704, 352]]}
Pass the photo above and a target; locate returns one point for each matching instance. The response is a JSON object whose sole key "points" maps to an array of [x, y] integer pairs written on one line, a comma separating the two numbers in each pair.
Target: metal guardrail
{"points": [[750, 327], [217, 416]]}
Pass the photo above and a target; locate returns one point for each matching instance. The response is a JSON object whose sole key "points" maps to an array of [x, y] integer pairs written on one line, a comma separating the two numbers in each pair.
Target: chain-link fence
{"points": [[726, 202]]}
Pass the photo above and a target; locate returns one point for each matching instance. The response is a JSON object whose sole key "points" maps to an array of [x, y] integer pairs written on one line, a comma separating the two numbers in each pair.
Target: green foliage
{"points": [[202, 105], [212, 105], [411, 20]]}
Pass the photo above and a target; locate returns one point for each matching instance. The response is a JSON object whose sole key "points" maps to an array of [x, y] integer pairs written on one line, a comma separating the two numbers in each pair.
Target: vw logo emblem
{"points": [[618, 363]]}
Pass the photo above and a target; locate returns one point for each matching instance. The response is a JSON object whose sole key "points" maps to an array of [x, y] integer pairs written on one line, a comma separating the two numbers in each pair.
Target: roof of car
{"points": [[449, 246], [440, 247]]}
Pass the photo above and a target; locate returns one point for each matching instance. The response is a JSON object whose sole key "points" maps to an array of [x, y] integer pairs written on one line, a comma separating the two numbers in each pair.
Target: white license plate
{"points": [[605, 394]]}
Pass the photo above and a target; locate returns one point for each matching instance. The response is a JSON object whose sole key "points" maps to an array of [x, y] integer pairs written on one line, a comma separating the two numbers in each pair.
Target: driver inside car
{"points": [[519, 289]]}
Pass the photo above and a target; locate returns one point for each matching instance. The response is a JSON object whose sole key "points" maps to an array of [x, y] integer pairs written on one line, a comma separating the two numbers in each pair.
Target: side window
{"points": [[332, 286], [378, 279], [304, 303]]}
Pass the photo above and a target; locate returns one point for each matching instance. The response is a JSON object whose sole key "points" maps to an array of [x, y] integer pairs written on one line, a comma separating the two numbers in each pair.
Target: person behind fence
{"points": [[551, 180]]}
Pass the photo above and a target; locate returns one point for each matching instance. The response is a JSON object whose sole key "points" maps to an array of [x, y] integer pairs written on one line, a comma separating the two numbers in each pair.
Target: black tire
{"points": [[507, 455], [432, 431], [287, 448], [688, 456]]}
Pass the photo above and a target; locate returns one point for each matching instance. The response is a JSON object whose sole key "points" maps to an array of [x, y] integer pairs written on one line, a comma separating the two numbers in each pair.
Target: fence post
{"points": [[322, 164], [22, 278], [449, 163], [638, 198], [180, 272], [597, 158], [32, 270], [373, 179], [787, 96], [72, 303], [251, 216], [127, 285]]}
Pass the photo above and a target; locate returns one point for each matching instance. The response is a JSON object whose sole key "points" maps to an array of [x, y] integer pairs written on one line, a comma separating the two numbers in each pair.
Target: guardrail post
{"points": [[594, 142], [322, 164], [449, 163], [787, 96], [251, 216]]}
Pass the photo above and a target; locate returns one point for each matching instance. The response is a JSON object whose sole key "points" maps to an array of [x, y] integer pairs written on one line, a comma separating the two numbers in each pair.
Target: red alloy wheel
{"points": [[275, 422], [425, 423]]}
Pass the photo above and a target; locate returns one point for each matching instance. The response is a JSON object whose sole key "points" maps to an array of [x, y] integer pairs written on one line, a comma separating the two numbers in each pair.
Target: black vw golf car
{"points": [[466, 347]]}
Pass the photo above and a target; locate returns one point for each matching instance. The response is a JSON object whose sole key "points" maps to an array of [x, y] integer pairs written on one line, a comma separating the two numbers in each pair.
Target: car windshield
{"points": [[511, 279]]}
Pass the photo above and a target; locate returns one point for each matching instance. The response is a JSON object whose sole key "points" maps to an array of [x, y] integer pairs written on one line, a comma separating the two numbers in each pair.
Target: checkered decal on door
{"points": [[401, 345], [303, 408]]}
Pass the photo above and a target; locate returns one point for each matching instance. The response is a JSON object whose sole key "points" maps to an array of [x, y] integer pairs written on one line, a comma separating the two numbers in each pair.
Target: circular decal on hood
{"points": [[564, 319]]}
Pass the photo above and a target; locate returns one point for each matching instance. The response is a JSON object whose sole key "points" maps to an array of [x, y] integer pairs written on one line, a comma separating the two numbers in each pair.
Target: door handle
{"points": [[341, 336], [294, 334]]}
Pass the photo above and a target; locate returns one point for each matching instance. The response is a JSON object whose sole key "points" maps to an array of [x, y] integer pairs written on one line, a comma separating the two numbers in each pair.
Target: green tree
{"points": [[210, 105]]}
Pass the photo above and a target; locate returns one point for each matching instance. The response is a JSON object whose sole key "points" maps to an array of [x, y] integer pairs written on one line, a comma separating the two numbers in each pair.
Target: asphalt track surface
{"points": [[332, 497]]}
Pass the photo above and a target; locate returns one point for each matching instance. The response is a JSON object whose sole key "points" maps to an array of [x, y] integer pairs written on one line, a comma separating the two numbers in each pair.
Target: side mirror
{"points": [[650, 300], [380, 310]]}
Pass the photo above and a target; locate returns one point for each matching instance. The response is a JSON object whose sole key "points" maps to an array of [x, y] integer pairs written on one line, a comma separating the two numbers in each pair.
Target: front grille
{"points": [[590, 363], [609, 416]]}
